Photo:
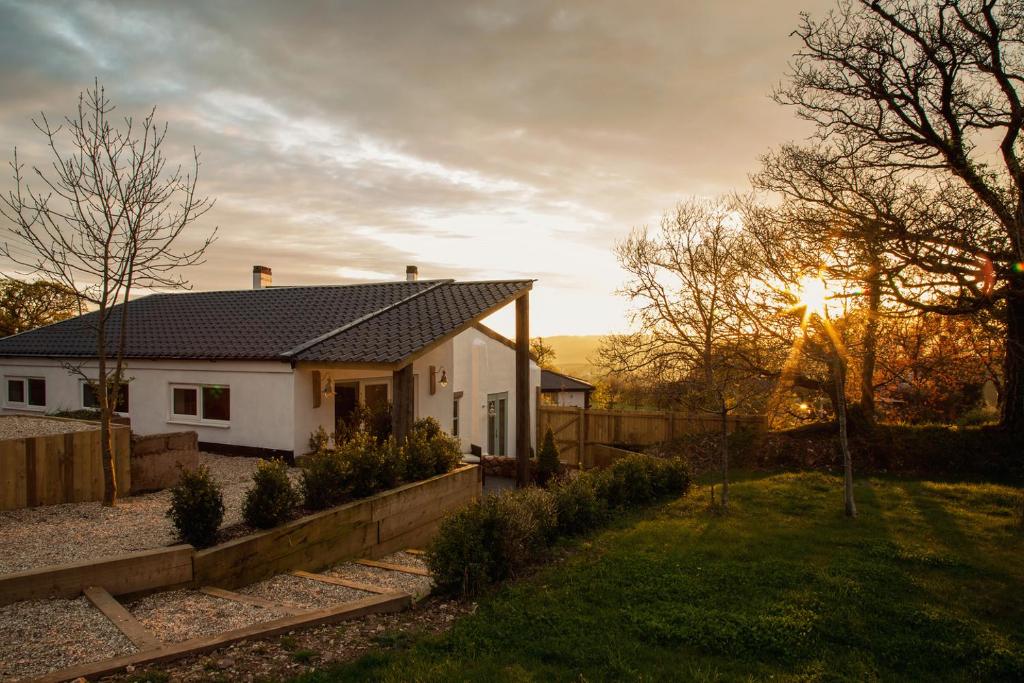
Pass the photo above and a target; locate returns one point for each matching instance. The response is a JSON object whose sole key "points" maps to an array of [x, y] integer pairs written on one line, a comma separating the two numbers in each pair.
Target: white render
{"points": [[566, 399], [272, 403], [484, 365]]}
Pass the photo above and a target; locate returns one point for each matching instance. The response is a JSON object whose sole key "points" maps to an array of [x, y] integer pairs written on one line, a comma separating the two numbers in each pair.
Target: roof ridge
{"points": [[358, 321], [283, 287]]}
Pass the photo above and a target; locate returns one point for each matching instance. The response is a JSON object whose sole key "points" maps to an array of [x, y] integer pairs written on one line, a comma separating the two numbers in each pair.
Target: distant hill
{"points": [[572, 353]]}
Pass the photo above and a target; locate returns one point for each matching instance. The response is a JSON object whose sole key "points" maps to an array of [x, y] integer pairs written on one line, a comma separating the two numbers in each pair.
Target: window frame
{"points": [[26, 404], [128, 398], [455, 416], [197, 419]]}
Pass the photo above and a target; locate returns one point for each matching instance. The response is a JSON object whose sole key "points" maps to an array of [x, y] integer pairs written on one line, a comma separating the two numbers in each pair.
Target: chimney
{"points": [[261, 277], [412, 273]]}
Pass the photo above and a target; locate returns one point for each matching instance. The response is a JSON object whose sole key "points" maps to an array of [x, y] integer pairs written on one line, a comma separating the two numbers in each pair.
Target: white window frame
{"points": [[24, 405], [197, 419], [81, 399]]}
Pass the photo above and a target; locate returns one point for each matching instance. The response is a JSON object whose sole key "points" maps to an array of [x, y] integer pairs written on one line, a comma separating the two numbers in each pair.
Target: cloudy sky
{"points": [[345, 140]]}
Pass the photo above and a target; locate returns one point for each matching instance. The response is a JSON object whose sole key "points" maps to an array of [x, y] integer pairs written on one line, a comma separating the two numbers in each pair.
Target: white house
{"points": [[258, 371], [559, 389]]}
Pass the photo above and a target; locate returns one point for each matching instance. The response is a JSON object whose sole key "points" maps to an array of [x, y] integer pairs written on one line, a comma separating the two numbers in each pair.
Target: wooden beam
{"points": [[403, 402], [523, 390], [405, 569], [121, 618], [251, 600], [338, 581], [389, 602]]}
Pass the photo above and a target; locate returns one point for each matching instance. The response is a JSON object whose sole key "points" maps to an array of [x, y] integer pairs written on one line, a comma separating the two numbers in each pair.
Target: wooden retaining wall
{"points": [[130, 573], [575, 429], [60, 468], [404, 517]]}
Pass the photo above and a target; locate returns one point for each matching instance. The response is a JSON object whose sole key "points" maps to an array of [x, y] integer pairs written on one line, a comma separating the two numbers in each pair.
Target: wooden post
{"points": [[523, 390], [402, 403]]}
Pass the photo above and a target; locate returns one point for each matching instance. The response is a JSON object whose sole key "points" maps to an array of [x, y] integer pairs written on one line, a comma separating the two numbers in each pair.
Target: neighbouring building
{"points": [[259, 370], [558, 389]]}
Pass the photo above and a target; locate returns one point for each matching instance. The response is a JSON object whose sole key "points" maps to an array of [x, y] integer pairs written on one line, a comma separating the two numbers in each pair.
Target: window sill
{"points": [[219, 424]]}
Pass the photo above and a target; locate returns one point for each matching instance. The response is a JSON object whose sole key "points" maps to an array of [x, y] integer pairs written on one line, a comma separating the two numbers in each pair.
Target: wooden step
{"points": [[389, 602], [125, 622], [347, 583], [418, 571], [251, 600]]}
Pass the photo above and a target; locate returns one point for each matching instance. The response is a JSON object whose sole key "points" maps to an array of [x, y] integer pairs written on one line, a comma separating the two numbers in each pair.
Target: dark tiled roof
{"points": [[556, 381], [372, 323]]}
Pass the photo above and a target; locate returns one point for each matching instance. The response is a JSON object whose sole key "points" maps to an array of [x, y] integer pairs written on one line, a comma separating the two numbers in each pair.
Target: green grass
{"points": [[927, 583]]}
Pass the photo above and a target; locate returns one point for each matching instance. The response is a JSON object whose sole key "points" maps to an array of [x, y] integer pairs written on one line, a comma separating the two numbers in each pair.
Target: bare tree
{"points": [[683, 280], [931, 92], [105, 220]]}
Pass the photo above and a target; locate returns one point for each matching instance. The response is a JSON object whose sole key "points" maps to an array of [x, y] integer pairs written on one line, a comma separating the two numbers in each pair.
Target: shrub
{"points": [[632, 480], [369, 466], [548, 464], [428, 451], [485, 542], [541, 504], [670, 477], [319, 441], [272, 498], [577, 505], [197, 507], [324, 480]]}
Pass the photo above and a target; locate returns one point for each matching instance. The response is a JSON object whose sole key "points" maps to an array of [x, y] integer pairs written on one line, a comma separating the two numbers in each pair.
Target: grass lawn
{"points": [[928, 583]]}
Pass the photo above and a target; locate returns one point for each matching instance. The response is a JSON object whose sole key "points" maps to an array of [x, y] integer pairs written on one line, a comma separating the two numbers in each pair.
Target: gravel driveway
{"points": [[57, 534]]}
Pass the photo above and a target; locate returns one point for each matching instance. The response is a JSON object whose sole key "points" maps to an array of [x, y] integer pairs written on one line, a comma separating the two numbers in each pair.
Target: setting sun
{"points": [[813, 294]]}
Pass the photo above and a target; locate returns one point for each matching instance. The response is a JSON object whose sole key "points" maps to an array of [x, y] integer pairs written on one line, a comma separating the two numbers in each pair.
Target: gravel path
{"points": [[174, 616], [45, 635], [20, 426], [305, 593], [57, 534]]}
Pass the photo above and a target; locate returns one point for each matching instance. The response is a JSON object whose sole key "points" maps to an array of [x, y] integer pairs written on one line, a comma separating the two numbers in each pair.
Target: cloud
{"points": [[475, 139]]}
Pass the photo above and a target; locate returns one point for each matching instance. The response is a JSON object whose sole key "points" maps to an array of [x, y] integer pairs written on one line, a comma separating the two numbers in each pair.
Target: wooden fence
{"points": [[60, 468], [577, 430]]}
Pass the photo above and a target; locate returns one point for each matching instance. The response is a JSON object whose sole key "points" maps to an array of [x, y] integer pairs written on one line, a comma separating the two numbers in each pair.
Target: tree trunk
{"points": [[106, 437], [844, 444], [867, 371], [1012, 418], [725, 456]]}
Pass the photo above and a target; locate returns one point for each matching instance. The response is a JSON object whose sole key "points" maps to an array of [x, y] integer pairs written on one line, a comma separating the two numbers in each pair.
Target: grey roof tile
{"points": [[375, 323]]}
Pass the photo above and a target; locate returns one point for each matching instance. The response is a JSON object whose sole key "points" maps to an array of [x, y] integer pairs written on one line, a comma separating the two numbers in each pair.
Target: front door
{"points": [[497, 423], [346, 400]]}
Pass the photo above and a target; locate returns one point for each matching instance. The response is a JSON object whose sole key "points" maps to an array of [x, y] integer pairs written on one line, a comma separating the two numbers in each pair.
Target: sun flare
{"points": [[813, 294]]}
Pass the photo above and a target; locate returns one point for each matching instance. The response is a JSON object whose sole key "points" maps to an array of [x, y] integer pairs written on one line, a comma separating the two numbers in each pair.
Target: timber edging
{"points": [[403, 517]]}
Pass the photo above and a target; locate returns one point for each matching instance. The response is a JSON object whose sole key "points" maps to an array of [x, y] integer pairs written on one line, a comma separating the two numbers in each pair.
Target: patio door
{"points": [[497, 423], [346, 400]]}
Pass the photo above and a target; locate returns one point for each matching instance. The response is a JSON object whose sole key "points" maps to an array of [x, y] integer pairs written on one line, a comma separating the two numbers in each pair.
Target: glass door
{"points": [[497, 423]]}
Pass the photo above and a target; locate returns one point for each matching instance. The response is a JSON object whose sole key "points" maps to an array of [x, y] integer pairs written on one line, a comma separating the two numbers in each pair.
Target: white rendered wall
{"points": [[483, 366], [261, 397], [570, 399]]}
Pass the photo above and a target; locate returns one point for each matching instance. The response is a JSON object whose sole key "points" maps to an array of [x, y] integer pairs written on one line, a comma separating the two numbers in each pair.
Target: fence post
{"points": [[581, 436]]}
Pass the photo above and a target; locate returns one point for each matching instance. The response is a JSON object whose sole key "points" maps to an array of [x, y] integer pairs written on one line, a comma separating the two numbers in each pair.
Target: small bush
{"points": [[632, 480], [577, 505], [670, 477], [548, 464], [542, 505], [272, 497], [324, 480], [319, 441], [369, 466], [426, 426], [484, 542], [197, 507], [428, 451]]}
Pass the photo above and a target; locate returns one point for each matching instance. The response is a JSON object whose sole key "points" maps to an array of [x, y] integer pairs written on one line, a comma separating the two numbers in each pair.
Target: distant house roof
{"points": [[381, 323], [556, 381]]}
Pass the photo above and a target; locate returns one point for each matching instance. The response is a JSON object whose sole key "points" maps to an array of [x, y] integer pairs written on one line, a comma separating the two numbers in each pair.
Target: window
{"points": [[90, 400], [455, 417], [26, 392], [201, 403]]}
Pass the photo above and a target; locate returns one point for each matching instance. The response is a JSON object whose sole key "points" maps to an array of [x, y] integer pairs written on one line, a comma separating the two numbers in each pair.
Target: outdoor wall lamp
{"points": [[435, 380], [444, 378], [328, 387], [491, 410]]}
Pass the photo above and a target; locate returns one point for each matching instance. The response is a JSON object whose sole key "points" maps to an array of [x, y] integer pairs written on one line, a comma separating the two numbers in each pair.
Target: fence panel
{"points": [[576, 429]]}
